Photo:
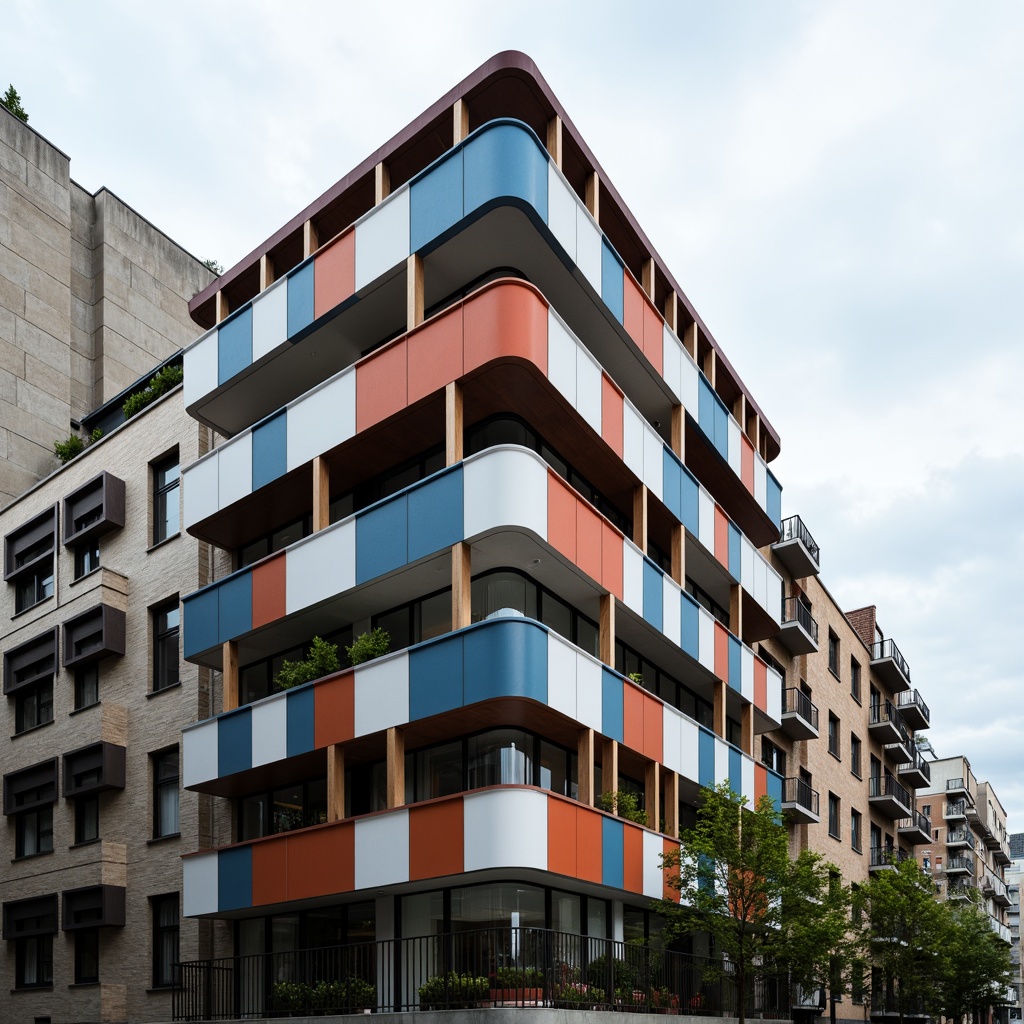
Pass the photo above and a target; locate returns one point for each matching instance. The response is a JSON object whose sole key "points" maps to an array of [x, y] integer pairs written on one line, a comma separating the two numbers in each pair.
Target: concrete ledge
{"points": [[506, 1015]]}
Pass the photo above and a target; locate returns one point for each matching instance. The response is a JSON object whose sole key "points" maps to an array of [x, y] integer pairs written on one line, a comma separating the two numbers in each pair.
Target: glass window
{"points": [[87, 558], [833, 653], [503, 594], [501, 904], [33, 587], [855, 680], [833, 815], [556, 772], [87, 818], [34, 832], [855, 822], [435, 615], [165, 793], [565, 912], [87, 955], [855, 755], [87, 686], [33, 705], [165, 498], [33, 961], [500, 757], [253, 817], [439, 771], [165, 938], [556, 614], [833, 735], [166, 625]]}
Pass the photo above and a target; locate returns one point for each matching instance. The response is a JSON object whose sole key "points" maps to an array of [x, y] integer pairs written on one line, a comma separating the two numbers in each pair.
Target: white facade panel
{"points": [[561, 675], [671, 752], [588, 693], [382, 694], [201, 890], [633, 440], [199, 754], [747, 677], [322, 419], [201, 368], [689, 749], [270, 730], [632, 577], [321, 566], [671, 610], [721, 761], [270, 319], [672, 361], [735, 450], [381, 850], [588, 389], [562, 204], [760, 480], [200, 483], [588, 247], [654, 462], [689, 384], [505, 487], [773, 594], [706, 639], [761, 582], [747, 558], [653, 849], [774, 701], [234, 471], [505, 829], [382, 239], [562, 348], [748, 780]]}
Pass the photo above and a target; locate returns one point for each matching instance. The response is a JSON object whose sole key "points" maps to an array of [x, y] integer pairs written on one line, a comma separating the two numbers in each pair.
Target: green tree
{"points": [[214, 267], [904, 936], [976, 969], [12, 101]]}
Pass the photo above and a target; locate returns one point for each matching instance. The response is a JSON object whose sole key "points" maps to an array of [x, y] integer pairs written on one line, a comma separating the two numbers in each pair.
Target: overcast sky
{"points": [[837, 186]]}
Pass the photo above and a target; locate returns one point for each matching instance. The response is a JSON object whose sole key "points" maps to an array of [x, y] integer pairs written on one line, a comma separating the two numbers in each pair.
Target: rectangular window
{"points": [[833, 653], [87, 557], [165, 938], [833, 816], [32, 924], [87, 818], [855, 755], [87, 956], [165, 793], [29, 558], [87, 686], [34, 832], [833, 735], [166, 488], [166, 625], [33, 706], [773, 757], [855, 824], [855, 679]]}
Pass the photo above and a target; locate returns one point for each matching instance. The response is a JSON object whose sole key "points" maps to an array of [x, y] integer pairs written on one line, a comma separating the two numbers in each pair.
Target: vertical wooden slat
{"points": [[647, 277], [395, 767], [462, 608], [640, 517], [585, 766], [609, 766], [670, 782], [321, 493], [453, 423], [266, 272], [593, 196], [220, 306], [606, 630], [679, 555], [381, 183], [413, 292], [555, 140], [335, 782], [230, 674], [460, 121], [310, 241], [652, 795]]}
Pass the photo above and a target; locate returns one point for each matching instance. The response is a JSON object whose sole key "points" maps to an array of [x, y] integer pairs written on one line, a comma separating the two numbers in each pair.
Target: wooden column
{"points": [[606, 630], [672, 312], [310, 241], [555, 140], [710, 366], [652, 795], [335, 782], [670, 781], [266, 272], [593, 196], [462, 613], [229, 675], [690, 340], [396, 767], [719, 707], [679, 555], [381, 183], [585, 766], [609, 766], [647, 277], [321, 493], [736, 610], [453, 424], [460, 121], [413, 292], [640, 517], [677, 429], [747, 730], [220, 306]]}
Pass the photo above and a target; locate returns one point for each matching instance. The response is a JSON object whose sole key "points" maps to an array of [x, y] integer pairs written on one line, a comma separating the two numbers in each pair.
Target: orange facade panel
{"points": [[562, 837], [760, 685], [721, 537], [381, 389], [633, 716], [654, 731], [562, 503], [632, 857], [436, 833], [334, 274], [611, 560], [611, 415], [588, 845], [747, 463], [509, 320], [588, 540], [654, 344], [321, 861], [268, 591], [435, 354], [633, 309], [334, 710], [270, 871], [760, 782], [721, 652]]}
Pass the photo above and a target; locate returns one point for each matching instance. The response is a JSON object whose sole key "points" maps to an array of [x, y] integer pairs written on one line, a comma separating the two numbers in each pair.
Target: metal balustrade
{"points": [[793, 528]]}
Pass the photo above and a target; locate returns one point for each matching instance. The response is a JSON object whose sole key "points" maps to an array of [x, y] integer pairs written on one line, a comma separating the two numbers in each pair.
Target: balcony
{"points": [[913, 709], [886, 724], [799, 631], [1001, 930], [995, 888], [890, 666], [800, 801], [916, 830], [886, 794], [797, 549], [917, 773], [885, 858], [956, 789], [959, 838], [799, 715], [960, 865], [960, 892], [1001, 854], [955, 810]]}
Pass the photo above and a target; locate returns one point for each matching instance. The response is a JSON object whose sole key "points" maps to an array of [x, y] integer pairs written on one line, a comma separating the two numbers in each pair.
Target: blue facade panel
{"points": [[435, 515], [234, 743], [611, 281], [506, 659], [611, 705], [234, 606], [672, 483], [381, 539], [612, 843], [721, 435], [735, 663], [706, 758], [435, 202], [654, 595], [775, 790], [201, 623], [736, 772], [706, 408], [269, 450], [689, 628], [735, 552], [300, 299], [435, 677], [505, 161], [773, 498], [234, 345], [300, 735], [234, 878]]}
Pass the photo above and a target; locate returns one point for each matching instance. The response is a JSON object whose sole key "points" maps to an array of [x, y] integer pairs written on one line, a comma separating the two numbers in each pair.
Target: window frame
{"points": [[834, 812], [165, 978], [834, 733], [856, 755], [163, 501], [833, 653], [856, 831], [163, 665], [87, 942], [159, 762], [855, 690]]}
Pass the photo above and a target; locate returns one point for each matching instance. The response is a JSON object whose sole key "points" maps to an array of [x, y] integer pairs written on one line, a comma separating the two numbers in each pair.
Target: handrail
{"points": [[917, 820], [881, 856], [887, 785], [795, 701], [960, 835], [887, 712], [797, 791], [793, 528], [881, 649], [911, 698], [794, 610]]}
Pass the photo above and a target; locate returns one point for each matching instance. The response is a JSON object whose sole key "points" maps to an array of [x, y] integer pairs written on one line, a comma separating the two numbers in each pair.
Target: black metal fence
{"points": [[489, 967]]}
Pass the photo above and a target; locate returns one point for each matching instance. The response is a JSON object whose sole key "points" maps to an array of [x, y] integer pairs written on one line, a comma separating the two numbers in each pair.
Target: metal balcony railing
{"points": [[921, 765], [887, 649], [960, 835], [796, 702], [794, 610], [916, 820], [911, 698], [793, 528], [885, 855], [955, 809], [797, 791], [886, 785], [492, 967], [960, 864], [886, 712]]}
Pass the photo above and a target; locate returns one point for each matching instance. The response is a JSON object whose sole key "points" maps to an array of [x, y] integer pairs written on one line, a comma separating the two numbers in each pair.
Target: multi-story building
{"points": [[1013, 883]]}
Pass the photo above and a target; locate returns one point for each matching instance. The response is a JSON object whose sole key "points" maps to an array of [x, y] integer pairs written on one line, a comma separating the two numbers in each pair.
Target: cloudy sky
{"points": [[839, 187]]}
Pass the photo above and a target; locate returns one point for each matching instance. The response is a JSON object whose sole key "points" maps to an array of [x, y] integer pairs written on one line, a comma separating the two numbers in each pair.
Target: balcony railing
{"points": [[886, 712], [796, 702], [911, 699], [797, 791], [794, 610], [882, 649], [885, 856], [499, 967], [959, 836], [955, 809], [886, 785], [960, 864], [918, 764], [793, 528], [917, 820]]}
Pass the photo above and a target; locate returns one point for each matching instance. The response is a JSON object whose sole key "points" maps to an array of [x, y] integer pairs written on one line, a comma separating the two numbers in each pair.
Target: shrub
{"points": [[575, 994], [74, 445], [368, 646], [322, 660], [625, 805], [453, 991], [637, 678], [160, 383]]}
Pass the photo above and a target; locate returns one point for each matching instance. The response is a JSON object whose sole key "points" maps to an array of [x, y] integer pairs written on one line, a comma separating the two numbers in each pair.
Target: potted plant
{"points": [[368, 646], [518, 985], [291, 998], [322, 660], [453, 991]]}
